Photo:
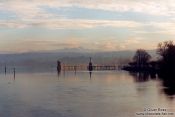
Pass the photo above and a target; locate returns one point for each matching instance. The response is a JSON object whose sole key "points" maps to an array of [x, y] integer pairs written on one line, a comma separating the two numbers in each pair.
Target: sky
{"points": [[102, 25]]}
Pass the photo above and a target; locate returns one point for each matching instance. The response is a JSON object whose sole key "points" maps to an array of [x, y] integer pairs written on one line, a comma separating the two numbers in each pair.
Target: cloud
{"points": [[153, 7], [68, 24], [108, 44], [32, 45], [32, 13], [163, 28], [25, 9], [133, 41]]}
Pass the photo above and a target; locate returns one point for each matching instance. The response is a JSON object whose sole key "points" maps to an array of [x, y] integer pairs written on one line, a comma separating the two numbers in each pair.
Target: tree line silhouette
{"points": [[142, 68], [164, 66]]}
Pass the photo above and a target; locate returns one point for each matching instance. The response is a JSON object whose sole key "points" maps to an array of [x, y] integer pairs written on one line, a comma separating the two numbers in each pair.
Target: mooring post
{"points": [[14, 72], [5, 69], [58, 66], [90, 67], [75, 69]]}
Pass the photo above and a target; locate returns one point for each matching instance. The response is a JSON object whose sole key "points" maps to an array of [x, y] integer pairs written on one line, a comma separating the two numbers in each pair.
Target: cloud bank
{"points": [[30, 15]]}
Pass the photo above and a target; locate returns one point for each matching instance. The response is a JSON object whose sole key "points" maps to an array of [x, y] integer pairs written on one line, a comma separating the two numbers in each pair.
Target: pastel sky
{"points": [[104, 25]]}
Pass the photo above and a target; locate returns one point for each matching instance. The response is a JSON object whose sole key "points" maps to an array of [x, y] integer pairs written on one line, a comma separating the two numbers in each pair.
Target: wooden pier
{"points": [[84, 67]]}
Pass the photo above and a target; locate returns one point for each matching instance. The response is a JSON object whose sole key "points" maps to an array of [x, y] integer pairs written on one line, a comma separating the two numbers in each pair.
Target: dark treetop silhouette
{"points": [[166, 50], [140, 61], [141, 58]]}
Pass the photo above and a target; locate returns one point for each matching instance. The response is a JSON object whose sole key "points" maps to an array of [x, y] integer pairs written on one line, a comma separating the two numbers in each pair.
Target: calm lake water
{"points": [[105, 94]]}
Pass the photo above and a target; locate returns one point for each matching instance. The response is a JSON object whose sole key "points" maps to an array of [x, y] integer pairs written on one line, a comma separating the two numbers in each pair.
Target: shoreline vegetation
{"points": [[143, 68], [164, 66]]}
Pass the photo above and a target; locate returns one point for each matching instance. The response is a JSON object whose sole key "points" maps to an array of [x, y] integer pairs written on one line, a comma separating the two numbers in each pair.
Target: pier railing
{"points": [[85, 67]]}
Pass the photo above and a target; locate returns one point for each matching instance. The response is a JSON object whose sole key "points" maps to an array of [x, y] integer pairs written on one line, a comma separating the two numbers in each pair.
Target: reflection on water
{"points": [[140, 76], [84, 94], [143, 76], [90, 74], [168, 84], [58, 73], [169, 87]]}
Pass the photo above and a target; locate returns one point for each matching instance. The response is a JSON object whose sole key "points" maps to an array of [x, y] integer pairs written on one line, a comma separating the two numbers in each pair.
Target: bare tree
{"points": [[163, 48], [167, 52], [141, 58]]}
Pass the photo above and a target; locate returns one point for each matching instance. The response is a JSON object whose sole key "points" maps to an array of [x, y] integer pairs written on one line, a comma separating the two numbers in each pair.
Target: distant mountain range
{"points": [[48, 60]]}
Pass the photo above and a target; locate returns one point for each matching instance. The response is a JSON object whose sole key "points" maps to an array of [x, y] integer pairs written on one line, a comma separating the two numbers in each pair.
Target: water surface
{"points": [[105, 94]]}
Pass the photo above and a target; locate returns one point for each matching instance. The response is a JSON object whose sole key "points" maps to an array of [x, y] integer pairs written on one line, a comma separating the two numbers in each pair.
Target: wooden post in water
{"points": [[58, 66], [90, 67], [5, 69], [64, 70], [14, 72], [75, 69]]}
